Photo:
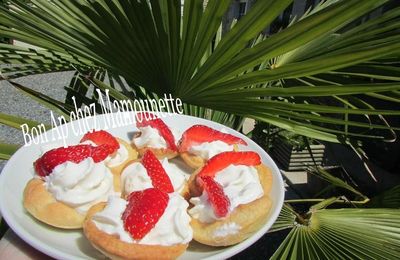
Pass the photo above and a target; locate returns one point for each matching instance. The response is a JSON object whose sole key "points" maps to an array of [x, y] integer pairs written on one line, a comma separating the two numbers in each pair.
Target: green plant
{"points": [[313, 78]]}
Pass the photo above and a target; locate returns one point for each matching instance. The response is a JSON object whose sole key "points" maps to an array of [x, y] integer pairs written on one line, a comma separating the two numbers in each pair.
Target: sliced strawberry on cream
{"points": [[156, 172], [76, 153], [236, 175], [206, 142], [76, 175], [143, 211], [219, 201], [149, 217], [150, 172], [100, 153], [49, 160], [154, 134], [102, 137], [223, 160], [117, 153]]}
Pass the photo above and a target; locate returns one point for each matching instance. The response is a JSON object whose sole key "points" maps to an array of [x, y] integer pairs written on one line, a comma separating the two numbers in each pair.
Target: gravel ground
{"points": [[14, 102]]}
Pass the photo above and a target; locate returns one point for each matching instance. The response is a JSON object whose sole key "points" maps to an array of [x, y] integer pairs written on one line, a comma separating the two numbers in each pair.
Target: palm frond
{"points": [[7, 150], [16, 121], [344, 234], [387, 199], [151, 45]]}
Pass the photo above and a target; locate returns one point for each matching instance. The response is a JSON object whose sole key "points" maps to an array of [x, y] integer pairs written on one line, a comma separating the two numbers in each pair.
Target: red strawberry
{"points": [[216, 196], [199, 134], [101, 152], [155, 170], [223, 160], [45, 164], [145, 116], [143, 211], [162, 129], [102, 137]]}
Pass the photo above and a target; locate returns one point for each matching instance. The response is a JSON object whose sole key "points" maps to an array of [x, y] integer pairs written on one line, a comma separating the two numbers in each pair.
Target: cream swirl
{"points": [[120, 156], [134, 177], [207, 150], [172, 228], [150, 137], [241, 185], [80, 185]]}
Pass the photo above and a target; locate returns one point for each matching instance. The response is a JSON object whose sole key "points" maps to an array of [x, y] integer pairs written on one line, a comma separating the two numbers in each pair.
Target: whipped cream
{"points": [[120, 156], [150, 137], [134, 177], [80, 185], [172, 228], [207, 150], [230, 228], [241, 185]]}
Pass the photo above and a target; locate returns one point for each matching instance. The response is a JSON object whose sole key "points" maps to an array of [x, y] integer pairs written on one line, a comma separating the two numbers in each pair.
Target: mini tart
{"points": [[184, 192], [161, 153], [112, 247], [117, 170], [196, 161], [249, 217], [43, 206]]}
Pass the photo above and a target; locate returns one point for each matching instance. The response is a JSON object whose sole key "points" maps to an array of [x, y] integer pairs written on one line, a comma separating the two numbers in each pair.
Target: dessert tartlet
{"points": [[156, 136], [199, 143], [67, 183], [230, 198], [151, 224], [150, 172], [121, 153]]}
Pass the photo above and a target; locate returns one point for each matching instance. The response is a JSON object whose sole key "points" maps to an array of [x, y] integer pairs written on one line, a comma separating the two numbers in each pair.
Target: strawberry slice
{"points": [[101, 152], [223, 160], [162, 129], [102, 137], [156, 172], [142, 116], [143, 211], [199, 134], [45, 164], [216, 196]]}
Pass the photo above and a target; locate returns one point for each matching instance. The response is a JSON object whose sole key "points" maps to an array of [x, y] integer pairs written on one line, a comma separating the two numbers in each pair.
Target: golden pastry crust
{"points": [[160, 153], [249, 217], [195, 161], [43, 206], [114, 248], [117, 170], [184, 192]]}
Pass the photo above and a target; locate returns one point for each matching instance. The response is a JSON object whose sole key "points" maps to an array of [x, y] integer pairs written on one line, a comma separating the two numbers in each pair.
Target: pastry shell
{"points": [[249, 217], [43, 206], [112, 247]]}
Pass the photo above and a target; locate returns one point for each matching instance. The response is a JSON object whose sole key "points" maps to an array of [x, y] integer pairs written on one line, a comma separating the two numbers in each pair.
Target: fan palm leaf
{"points": [[341, 234], [161, 47]]}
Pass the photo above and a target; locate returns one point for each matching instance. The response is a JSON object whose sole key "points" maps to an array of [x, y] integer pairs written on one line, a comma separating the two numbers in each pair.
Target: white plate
{"points": [[62, 244]]}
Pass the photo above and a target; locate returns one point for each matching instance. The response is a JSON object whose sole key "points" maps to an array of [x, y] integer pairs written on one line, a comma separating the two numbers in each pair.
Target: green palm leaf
{"points": [[156, 51], [387, 199], [344, 234], [16, 122], [7, 150]]}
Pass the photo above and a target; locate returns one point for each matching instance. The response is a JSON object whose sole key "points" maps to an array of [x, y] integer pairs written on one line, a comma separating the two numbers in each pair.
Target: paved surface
{"points": [[14, 102]]}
